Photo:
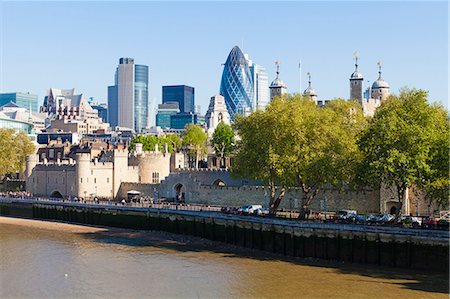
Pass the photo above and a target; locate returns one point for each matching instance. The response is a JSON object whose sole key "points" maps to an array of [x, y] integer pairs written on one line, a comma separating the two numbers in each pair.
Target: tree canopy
{"points": [[406, 143], [223, 141], [14, 149], [294, 142], [149, 142], [194, 138]]}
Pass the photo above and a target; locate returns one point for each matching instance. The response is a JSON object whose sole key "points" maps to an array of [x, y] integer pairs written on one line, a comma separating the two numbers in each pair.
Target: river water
{"points": [[49, 262]]}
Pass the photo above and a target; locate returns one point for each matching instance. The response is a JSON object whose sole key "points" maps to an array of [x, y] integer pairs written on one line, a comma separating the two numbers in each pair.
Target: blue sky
{"points": [[78, 44]]}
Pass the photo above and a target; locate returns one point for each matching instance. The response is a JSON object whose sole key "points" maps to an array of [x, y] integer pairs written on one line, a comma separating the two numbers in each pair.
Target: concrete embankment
{"points": [[387, 246]]}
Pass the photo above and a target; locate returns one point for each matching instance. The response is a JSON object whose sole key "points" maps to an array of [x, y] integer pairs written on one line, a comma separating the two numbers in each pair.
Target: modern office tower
{"points": [[24, 100], [128, 97], [182, 94], [237, 84], [165, 111], [260, 87], [180, 120], [277, 87]]}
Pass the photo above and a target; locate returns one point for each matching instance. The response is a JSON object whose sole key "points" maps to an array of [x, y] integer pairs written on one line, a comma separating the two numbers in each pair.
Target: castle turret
{"points": [[82, 174], [277, 87], [380, 88], [311, 92], [31, 162], [356, 83]]}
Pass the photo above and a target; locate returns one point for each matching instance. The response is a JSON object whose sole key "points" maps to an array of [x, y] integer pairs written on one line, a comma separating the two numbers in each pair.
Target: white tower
{"points": [[356, 83], [217, 112], [380, 88], [311, 92], [277, 87]]}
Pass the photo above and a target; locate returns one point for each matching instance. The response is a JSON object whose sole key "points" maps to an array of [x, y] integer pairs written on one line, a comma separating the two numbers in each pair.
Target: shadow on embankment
{"points": [[416, 279]]}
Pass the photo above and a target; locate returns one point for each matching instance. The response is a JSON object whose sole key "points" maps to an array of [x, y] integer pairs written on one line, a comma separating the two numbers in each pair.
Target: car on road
{"points": [[248, 209], [380, 219], [443, 224], [429, 222], [410, 222], [360, 219], [261, 212], [346, 216]]}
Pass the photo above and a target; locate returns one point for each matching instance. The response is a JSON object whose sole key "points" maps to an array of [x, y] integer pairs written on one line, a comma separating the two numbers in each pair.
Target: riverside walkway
{"points": [[214, 213]]}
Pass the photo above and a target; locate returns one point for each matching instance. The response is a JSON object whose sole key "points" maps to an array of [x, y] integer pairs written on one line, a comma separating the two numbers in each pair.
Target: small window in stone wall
{"points": [[81, 180], [95, 180], [107, 180]]}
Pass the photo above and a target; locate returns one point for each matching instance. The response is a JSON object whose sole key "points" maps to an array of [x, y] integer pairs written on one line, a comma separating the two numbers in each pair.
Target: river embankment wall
{"points": [[385, 246]]}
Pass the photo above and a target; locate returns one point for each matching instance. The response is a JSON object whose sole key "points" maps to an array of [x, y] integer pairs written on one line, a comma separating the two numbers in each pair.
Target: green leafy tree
{"points": [[194, 139], [14, 147], [436, 182], [223, 141], [296, 143], [175, 141], [401, 145]]}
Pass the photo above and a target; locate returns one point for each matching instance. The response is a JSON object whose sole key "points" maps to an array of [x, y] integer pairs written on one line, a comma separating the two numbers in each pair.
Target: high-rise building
{"points": [[182, 94], [128, 97], [260, 87], [24, 100], [165, 111], [237, 84], [180, 120]]}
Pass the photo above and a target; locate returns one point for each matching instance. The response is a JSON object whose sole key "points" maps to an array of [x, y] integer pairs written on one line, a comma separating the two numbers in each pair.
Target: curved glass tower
{"points": [[237, 84]]}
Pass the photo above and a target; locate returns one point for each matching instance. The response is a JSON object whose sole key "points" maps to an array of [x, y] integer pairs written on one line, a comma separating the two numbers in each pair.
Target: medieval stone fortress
{"points": [[86, 149]]}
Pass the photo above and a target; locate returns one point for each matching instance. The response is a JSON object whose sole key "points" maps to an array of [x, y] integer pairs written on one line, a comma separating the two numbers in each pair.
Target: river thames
{"points": [[54, 260]]}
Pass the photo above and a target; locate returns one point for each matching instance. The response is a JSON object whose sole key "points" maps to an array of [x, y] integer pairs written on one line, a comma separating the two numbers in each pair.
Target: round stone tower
{"points": [[380, 88], [82, 174]]}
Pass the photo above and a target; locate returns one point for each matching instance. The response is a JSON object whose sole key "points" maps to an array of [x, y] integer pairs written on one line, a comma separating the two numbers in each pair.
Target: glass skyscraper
{"points": [[237, 84], [24, 100], [260, 87], [128, 97], [182, 94]]}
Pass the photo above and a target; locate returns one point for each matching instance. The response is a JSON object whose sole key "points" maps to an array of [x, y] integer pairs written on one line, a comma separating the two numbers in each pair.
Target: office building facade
{"points": [[237, 84], [180, 120], [165, 111], [128, 97], [24, 100], [260, 87], [182, 94]]}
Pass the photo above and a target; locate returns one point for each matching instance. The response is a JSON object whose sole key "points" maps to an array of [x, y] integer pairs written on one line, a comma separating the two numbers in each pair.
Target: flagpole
{"points": [[300, 73]]}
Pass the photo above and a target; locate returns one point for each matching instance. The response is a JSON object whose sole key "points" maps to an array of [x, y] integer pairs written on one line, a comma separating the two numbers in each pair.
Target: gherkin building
{"points": [[237, 84]]}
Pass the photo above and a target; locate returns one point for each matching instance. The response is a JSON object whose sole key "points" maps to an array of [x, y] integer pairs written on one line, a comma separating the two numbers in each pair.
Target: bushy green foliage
{"points": [[194, 139], [149, 142], [223, 140], [14, 147], [296, 143], [407, 143]]}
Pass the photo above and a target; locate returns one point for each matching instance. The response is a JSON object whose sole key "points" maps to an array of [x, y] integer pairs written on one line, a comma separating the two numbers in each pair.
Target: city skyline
{"points": [[85, 50]]}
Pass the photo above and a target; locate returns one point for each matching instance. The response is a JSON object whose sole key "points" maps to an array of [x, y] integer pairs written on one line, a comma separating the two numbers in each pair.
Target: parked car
{"points": [[261, 212], [443, 224], [360, 219], [410, 222], [346, 215], [246, 210], [429, 222], [380, 219]]}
